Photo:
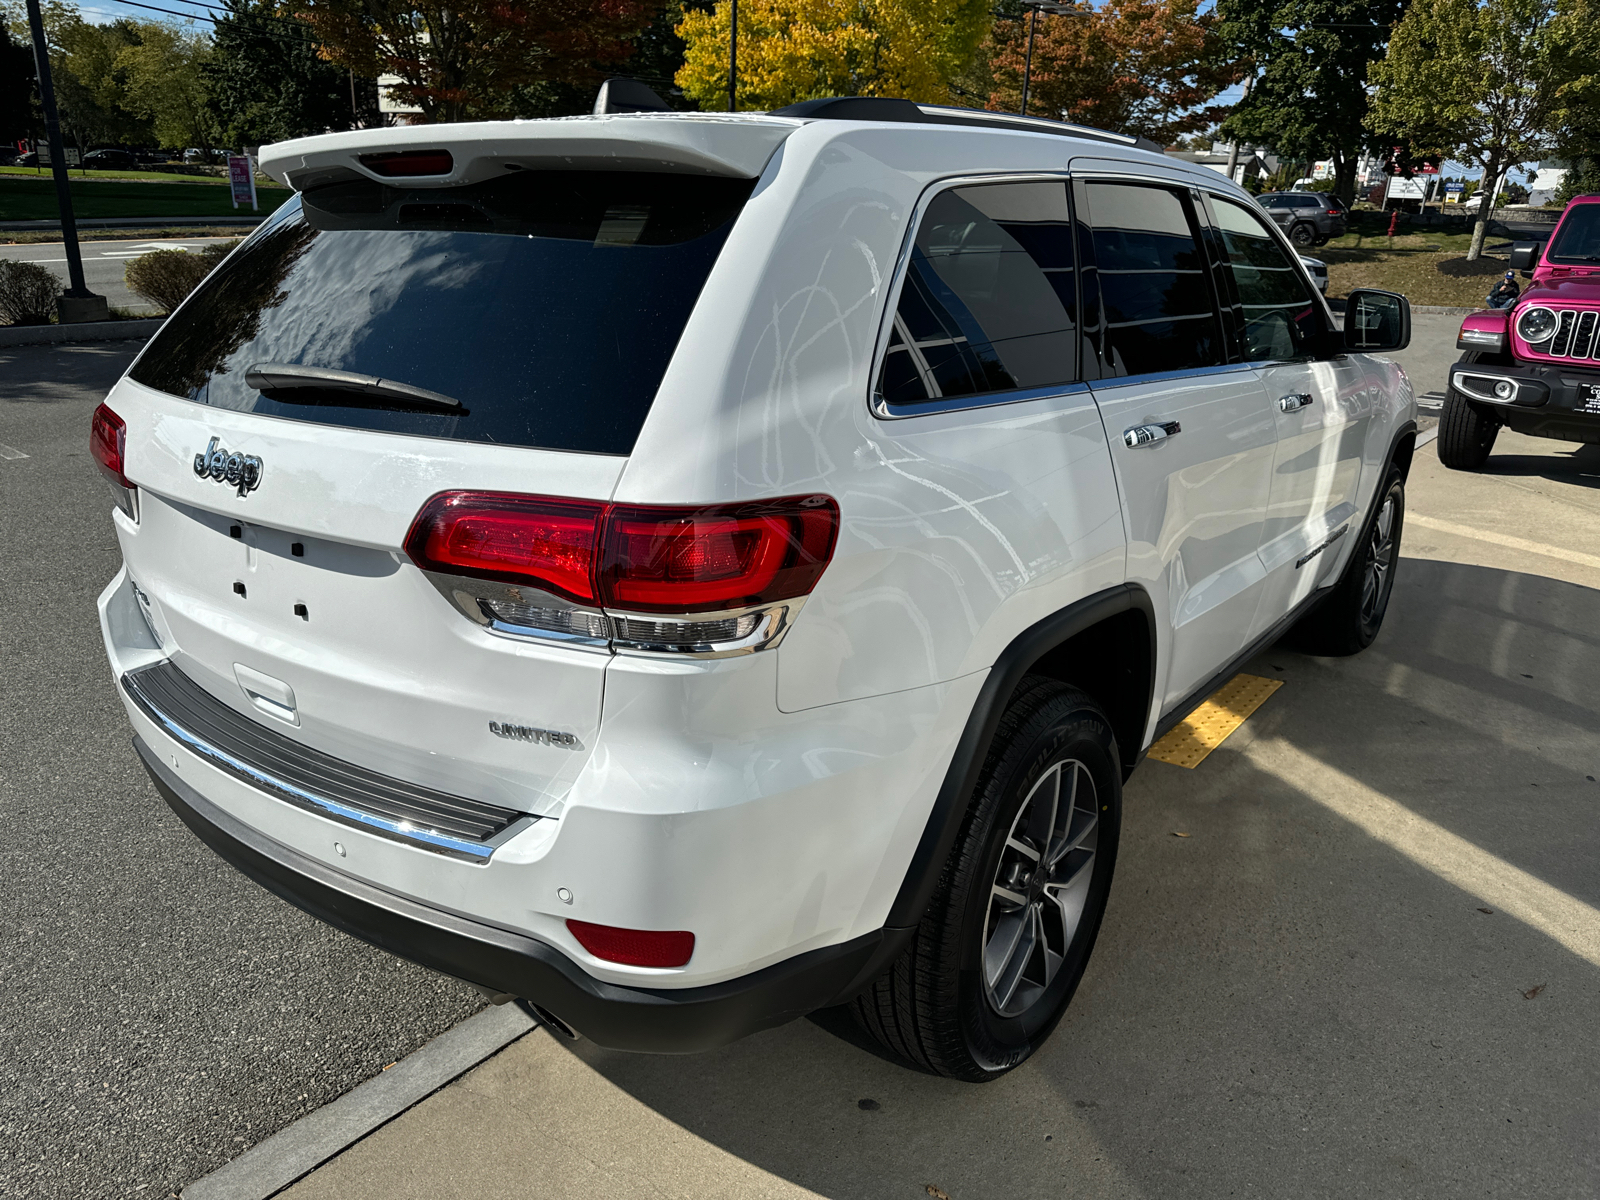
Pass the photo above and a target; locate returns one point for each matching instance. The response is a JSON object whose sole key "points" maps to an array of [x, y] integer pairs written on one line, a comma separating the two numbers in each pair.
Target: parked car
{"points": [[1307, 217], [110, 160], [1318, 270], [30, 159], [674, 569], [1533, 368]]}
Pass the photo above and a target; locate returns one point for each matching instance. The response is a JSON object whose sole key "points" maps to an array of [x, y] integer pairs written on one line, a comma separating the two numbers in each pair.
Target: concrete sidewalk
{"points": [[1370, 968]]}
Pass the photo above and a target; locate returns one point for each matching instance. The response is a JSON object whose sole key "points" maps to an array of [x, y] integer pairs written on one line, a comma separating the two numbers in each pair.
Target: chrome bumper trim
{"points": [[288, 771]]}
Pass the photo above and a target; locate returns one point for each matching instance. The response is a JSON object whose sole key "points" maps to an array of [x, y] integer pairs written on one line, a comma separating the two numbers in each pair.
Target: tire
{"points": [[1347, 621], [1302, 237], [1466, 433], [954, 1002]]}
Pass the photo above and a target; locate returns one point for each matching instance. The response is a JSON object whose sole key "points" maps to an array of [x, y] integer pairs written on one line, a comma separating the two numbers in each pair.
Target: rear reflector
{"points": [[634, 947], [108, 440], [409, 162], [656, 559]]}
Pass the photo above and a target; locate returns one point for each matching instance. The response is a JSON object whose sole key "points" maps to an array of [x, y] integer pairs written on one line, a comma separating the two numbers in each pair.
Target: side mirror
{"points": [[1376, 321], [1524, 255]]}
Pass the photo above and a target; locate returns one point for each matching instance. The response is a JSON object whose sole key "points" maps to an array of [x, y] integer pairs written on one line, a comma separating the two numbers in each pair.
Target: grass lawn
{"points": [[35, 199], [1427, 267]]}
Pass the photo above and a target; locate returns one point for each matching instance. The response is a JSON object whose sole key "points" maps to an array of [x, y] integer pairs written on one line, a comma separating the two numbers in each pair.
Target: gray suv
{"points": [[1309, 218]]}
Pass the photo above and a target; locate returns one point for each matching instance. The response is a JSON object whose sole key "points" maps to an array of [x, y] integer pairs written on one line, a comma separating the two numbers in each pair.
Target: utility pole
{"points": [[1035, 7], [733, 59], [1233, 147], [79, 304]]}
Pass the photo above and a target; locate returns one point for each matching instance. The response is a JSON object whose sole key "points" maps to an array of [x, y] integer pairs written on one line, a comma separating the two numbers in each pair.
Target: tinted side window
{"points": [[1275, 201], [1307, 202], [1276, 309], [1158, 308], [989, 302]]}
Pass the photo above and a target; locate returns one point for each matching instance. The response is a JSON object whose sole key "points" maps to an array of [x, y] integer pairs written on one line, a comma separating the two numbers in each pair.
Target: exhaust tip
{"points": [[548, 1019]]}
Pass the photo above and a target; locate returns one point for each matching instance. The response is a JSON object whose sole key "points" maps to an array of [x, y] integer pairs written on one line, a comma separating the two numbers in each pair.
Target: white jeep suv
{"points": [[685, 571]]}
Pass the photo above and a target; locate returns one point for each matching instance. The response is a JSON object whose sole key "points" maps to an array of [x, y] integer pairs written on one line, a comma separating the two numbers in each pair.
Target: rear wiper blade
{"points": [[368, 389]]}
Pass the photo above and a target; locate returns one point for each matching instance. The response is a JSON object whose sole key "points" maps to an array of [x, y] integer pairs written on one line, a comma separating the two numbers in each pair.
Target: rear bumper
{"points": [[1553, 401], [681, 1020]]}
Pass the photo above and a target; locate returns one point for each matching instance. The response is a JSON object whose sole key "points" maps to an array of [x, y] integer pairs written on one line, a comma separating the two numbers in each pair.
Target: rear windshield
{"points": [[1578, 238], [546, 303]]}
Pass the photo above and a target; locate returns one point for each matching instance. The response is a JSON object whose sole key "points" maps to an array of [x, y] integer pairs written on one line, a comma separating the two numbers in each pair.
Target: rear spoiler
{"points": [[698, 144]]}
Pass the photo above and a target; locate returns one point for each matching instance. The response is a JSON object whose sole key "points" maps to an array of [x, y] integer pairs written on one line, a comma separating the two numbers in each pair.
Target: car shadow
{"points": [[1290, 997], [1574, 464]]}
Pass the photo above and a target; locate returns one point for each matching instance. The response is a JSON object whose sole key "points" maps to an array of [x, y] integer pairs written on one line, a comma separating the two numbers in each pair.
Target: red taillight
{"points": [[511, 538], [727, 556], [398, 163], [108, 441], [655, 559], [634, 947], [1333, 212]]}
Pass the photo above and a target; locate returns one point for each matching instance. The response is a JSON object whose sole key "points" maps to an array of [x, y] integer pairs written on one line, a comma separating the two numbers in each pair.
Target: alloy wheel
{"points": [[1380, 558], [1037, 898]]}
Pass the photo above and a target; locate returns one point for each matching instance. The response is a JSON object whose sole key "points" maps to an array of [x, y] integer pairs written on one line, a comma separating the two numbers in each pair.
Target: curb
{"points": [[82, 331], [298, 1149], [129, 223]]}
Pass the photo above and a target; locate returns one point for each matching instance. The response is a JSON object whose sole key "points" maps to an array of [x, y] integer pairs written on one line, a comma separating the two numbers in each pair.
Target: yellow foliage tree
{"points": [[793, 50]]}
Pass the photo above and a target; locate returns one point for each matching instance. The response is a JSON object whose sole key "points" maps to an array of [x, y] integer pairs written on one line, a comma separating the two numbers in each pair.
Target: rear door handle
{"points": [[1149, 435], [1295, 401]]}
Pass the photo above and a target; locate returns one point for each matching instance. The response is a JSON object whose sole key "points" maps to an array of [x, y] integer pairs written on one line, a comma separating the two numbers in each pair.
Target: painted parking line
{"points": [[1509, 541], [1208, 726], [10, 452]]}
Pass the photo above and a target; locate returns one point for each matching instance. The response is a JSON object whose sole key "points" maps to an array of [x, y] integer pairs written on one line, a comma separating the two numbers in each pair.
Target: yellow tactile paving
{"points": [[1203, 730]]}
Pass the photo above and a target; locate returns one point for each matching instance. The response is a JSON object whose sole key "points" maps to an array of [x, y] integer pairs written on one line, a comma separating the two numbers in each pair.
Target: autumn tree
{"points": [[1309, 98], [1147, 67], [470, 59], [1478, 81], [793, 50]]}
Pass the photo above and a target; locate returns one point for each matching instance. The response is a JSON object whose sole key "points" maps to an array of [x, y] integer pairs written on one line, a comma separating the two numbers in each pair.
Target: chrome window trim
{"points": [[876, 404], [1102, 385]]}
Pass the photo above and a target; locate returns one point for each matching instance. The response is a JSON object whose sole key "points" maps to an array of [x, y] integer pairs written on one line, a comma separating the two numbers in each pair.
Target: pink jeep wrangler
{"points": [[1536, 366]]}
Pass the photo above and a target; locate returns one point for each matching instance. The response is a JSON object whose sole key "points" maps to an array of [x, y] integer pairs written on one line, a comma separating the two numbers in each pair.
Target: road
{"points": [[158, 1011], [103, 264], [1302, 997]]}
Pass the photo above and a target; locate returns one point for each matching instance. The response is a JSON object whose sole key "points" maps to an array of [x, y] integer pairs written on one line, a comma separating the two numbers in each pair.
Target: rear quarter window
{"points": [[547, 303]]}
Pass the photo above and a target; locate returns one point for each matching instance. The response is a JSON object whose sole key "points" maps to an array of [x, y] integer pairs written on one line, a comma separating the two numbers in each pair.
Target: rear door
{"points": [[1191, 432], [1318, 401], [505, 336]]}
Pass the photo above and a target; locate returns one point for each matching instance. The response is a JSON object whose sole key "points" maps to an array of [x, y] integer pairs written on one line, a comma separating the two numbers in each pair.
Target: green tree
{"points": [[1479, 81], [91, 89], [268, 80], [166, 85], [19, 114], [793, 50], [474, 59], [1308, 98]]}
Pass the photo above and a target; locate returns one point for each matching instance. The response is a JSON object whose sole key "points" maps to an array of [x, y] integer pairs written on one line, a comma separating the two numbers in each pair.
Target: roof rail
{"points": [[885, 108]]}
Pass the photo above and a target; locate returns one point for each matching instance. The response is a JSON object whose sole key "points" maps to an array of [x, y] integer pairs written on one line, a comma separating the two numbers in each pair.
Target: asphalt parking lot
{"points": [[1297, 991], [160, 1011]]}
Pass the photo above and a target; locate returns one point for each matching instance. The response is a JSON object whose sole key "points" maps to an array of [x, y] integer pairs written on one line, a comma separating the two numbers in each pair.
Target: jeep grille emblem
{"points": [[241, 470]]}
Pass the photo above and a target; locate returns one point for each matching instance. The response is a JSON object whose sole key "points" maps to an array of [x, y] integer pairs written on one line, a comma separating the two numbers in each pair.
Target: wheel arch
{"points": [[1105, 645]]}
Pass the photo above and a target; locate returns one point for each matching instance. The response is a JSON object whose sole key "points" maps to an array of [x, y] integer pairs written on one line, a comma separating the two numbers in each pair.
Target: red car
{"points": [[1535, 367]]}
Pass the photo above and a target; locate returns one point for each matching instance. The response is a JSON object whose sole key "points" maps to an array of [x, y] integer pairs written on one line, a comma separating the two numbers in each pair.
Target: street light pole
{"points": [[1027, 61], [79, 303], [733, 59]]}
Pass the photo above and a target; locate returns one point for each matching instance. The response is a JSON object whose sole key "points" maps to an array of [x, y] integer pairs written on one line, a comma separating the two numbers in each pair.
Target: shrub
{"points": [[166, 277], [28, 293]]}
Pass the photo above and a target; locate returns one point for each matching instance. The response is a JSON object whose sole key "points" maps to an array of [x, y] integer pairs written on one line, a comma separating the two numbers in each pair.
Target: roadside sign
{"points": [[242, 179], [70, 151], [1401, 188], [1453, 192]]}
